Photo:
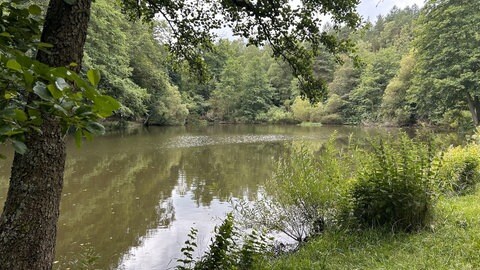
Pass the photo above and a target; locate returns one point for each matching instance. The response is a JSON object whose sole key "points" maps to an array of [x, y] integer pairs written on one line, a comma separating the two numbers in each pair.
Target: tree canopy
{"points": [[279, 24], [448, 58], [43, 98]]}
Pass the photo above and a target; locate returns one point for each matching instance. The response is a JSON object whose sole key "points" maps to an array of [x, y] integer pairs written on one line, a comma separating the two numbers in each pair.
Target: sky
{"points": [[370, 9]]}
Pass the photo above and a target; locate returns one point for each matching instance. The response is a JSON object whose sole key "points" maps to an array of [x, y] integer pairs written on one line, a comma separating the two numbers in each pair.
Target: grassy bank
{"points": [[452, 242]]}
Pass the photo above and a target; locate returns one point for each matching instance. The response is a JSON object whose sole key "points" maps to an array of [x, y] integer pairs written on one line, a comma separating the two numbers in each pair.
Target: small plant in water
{"points": [[227, 251], [86, 259], [187, 251]]}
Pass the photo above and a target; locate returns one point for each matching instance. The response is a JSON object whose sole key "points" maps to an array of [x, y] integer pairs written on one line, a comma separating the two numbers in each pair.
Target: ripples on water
{"points": [[197, 141]]}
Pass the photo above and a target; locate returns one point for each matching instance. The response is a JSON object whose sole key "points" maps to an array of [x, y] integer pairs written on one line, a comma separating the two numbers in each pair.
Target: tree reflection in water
{"points": [[134, 197]]}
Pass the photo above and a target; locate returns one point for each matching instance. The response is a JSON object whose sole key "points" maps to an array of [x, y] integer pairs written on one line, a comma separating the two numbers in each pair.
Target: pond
{"points": [[132, 198]]}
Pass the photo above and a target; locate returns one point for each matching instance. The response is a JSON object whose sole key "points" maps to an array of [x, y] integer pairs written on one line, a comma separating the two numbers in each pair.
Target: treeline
{"points": [[133, 67], [400, 81]]}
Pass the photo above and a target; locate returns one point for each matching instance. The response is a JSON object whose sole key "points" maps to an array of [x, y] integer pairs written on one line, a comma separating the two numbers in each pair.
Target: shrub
{"points": [[228, 250], [304, 194], [460, 170], [393, 188], [301, 109], [305, 112], [457, 120], [332, 119], [277, 115], [334, 104]]}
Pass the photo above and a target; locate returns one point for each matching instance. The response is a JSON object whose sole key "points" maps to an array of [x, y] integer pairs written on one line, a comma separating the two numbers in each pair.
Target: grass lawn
{"points": [[452, 242]]}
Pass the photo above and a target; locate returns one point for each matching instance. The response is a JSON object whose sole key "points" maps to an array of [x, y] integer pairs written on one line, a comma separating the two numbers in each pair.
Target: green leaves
{"points": [[61, 84], [20, 115], [78, 137], [19, 147], [41, 90], [14, 65], [34, 10], [447, 50], [93, 76], [105, 105], [95, 128], [54, 91], [57, 92]]}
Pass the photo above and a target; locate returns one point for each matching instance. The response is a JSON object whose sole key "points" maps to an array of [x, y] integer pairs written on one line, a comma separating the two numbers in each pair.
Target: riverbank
{"points": [[116, 125], [451, 242]]}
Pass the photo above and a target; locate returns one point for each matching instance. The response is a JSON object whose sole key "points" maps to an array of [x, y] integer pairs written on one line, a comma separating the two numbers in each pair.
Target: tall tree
{"points": [[29, 219], [395, 103], [28, 222], [448, 58], [107, 49], [367, 97]]}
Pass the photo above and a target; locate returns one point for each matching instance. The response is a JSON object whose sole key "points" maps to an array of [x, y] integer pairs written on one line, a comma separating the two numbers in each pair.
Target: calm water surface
{"points": [[133, 198]]}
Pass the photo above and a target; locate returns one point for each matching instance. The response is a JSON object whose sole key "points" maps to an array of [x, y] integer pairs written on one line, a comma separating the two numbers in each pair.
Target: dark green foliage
{"points": [[137, 78], [367, 97], [255, 247], [394, 185], [448, 59], [219, 254], [345, 78], [295, 35], [396, 107], [29, 89], [228, 251], [357, 90], [394, 29], [332, 119], [189, 247], [247, 85]]}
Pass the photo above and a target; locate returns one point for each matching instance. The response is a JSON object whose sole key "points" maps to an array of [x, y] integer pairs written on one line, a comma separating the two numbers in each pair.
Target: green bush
{"points": [[460, 170], [229, 250], [301, 109], [457, 120], [303, 197], [393, 188], [305, 112], [332, 119], [277, 115]]}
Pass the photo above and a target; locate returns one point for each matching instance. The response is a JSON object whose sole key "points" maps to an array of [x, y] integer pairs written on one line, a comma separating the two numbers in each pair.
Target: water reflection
{"points": [[161, 247], [134, 196]]}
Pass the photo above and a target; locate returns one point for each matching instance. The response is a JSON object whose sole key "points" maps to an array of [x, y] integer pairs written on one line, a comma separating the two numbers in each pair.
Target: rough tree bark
{"points": [[474, 107], [28, 224], [476, 103]]}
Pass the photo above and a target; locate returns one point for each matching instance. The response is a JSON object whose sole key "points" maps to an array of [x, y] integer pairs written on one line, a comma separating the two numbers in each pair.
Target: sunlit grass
{"points": [[452, 242]]}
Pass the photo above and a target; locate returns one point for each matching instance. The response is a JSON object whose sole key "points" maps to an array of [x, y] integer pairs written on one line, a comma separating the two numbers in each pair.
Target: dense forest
{"points": [[392, 84], [157, 62]]}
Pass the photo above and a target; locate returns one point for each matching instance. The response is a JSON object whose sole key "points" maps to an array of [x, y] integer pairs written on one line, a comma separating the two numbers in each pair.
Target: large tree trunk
{"points": [[474, 107], [476, 104], [28, 224]]}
